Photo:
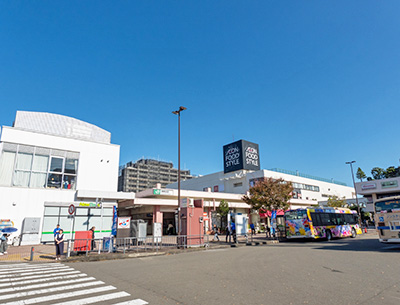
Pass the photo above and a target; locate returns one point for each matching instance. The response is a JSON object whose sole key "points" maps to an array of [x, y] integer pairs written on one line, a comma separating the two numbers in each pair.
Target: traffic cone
{"points": [[365, 230]]}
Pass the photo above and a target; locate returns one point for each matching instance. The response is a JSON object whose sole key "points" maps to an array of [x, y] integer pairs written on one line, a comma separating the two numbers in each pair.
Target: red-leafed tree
{"points": [[269, 194]]}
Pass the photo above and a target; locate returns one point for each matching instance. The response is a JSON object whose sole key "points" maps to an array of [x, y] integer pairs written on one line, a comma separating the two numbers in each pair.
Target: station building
{"points": [[47, 163], [242, 170], [378, 189]]}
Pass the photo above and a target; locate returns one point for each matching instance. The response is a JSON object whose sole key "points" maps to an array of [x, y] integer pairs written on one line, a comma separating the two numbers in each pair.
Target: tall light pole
{"points": [[178, 112], [354, 184]]}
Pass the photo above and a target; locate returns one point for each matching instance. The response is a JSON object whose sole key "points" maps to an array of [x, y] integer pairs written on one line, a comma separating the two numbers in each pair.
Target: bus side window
{"points": [[325, 220], [315, 219], [333, 218]]}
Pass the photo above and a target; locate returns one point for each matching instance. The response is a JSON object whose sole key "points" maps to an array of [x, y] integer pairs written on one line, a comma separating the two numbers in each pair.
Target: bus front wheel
{"points": [[353, 233], [328, 235]]}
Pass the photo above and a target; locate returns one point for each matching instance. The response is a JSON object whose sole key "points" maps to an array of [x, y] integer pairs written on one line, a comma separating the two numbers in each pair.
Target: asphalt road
{"points": [[345, 271]]}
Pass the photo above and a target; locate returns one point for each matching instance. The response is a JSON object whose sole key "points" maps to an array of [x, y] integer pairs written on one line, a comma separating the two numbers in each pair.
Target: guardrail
{"points": [[124, 245]]}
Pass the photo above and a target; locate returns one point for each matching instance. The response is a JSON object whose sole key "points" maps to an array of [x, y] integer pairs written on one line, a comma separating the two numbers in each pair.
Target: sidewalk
{"points": [[23, 253]]}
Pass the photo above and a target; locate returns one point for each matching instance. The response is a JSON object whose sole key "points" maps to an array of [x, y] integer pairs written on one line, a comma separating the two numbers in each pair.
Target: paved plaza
{"points": [[344, 271]]}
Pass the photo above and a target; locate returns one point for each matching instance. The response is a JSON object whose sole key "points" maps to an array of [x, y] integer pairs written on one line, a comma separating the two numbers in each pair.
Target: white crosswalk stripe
{"points": [[22, 284], [35, 277]]}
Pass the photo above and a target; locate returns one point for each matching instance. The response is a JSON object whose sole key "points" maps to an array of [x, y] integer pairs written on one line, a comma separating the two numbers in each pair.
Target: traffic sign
{"points": [[71, 209]]}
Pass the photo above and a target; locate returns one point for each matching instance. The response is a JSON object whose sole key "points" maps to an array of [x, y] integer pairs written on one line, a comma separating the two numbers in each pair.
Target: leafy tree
{"points": [[360, 174], [391, 172], [378, 173], [336, 202], [223, 210], [269, 194]]}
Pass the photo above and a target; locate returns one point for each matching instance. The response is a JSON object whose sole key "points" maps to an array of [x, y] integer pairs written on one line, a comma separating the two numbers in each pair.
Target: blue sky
{"points": [[314, 83]]}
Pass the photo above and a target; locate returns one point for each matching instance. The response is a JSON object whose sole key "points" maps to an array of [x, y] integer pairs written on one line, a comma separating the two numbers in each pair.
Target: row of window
{"points": [[333, 219], [307, 187], [37, 168]]}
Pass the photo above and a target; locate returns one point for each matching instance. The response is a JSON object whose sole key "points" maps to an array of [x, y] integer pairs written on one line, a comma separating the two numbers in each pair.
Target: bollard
{"points": [[32, 253]]}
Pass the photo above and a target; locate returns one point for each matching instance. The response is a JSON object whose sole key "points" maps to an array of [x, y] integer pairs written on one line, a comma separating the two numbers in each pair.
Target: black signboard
{"points": [[241, 155]]}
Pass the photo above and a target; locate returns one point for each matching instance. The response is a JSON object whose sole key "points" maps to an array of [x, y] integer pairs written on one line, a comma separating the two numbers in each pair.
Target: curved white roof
{"points": [[60, 125]]}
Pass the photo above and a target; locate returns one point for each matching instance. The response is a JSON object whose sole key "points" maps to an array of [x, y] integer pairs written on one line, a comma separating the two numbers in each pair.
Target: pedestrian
{"points": [[253, 229], [170, 229], [233, 230], [55, 231], [228, 233], [59, 239], [93, 243], [216, 233], [4, 244]]}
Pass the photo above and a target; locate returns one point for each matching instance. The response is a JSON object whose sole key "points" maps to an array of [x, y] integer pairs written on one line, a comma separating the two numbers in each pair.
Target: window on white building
{"points": [[36, 167]]}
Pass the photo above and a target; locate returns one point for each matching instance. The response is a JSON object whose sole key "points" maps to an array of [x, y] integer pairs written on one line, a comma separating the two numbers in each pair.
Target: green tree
{"points": [[269, 194], [390, 172], [377, 173], [336, 202], [360, 174], [223, 210]]}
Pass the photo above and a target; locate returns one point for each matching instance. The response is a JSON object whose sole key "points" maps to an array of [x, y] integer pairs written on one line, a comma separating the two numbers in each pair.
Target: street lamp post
{"points": [[354, 184], [178, 112]]}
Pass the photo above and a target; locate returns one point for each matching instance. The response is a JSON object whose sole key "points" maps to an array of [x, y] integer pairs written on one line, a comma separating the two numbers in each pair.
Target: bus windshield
{"points": [[387, 206], [297, 214]]}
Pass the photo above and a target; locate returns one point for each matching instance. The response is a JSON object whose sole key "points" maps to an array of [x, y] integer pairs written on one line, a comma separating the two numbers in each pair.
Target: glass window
{"points": [[38, 180], [56, 164], [54, 181], [40, 163], [69, 182], [51, 211], [316, 219], [71, 166], [21, 178], [6, 167], [325, 219], [24, 161]]}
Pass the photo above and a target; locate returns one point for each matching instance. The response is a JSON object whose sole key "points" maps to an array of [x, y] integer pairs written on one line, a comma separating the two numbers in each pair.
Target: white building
{"points": [[47, 163], [307, 191]]}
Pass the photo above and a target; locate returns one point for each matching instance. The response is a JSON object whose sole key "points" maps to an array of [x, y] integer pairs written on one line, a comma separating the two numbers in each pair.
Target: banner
{"points": [[114, 223]]}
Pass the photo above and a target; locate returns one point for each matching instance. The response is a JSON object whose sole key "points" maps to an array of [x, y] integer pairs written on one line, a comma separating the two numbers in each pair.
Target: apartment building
{"points": [[147, 173]]}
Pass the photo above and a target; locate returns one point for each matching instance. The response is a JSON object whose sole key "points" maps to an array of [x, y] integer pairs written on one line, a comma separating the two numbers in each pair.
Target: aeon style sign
{"points": [[241, 155]]}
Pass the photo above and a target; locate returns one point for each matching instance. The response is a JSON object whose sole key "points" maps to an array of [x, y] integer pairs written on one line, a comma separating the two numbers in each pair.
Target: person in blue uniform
{"points": [[59, 239]]}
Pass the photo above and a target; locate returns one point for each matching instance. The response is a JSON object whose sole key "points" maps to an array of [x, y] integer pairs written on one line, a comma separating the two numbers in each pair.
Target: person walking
{"points": [[93, 242], [59, 239], [216, 233], [3, 244], [233, 230], [228, 233], [253, 229]]}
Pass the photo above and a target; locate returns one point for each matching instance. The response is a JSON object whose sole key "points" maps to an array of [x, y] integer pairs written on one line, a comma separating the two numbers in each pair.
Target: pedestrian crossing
{"points": [[56, 284]]}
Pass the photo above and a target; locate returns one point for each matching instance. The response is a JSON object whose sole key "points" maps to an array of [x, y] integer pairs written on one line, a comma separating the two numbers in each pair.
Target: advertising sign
{"points": [[241, 155], [388, 184], [124, 223], [368, 186], [114, 223]]}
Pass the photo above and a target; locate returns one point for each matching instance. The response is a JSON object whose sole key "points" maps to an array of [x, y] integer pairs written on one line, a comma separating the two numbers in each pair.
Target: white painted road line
{"points": [[133, 302], [24, 266], [15, 279], [96, 299], [11, 265], [30, 266], [21, 270], [61, 296], [38, 272], [53, 283], [49, 290]]}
